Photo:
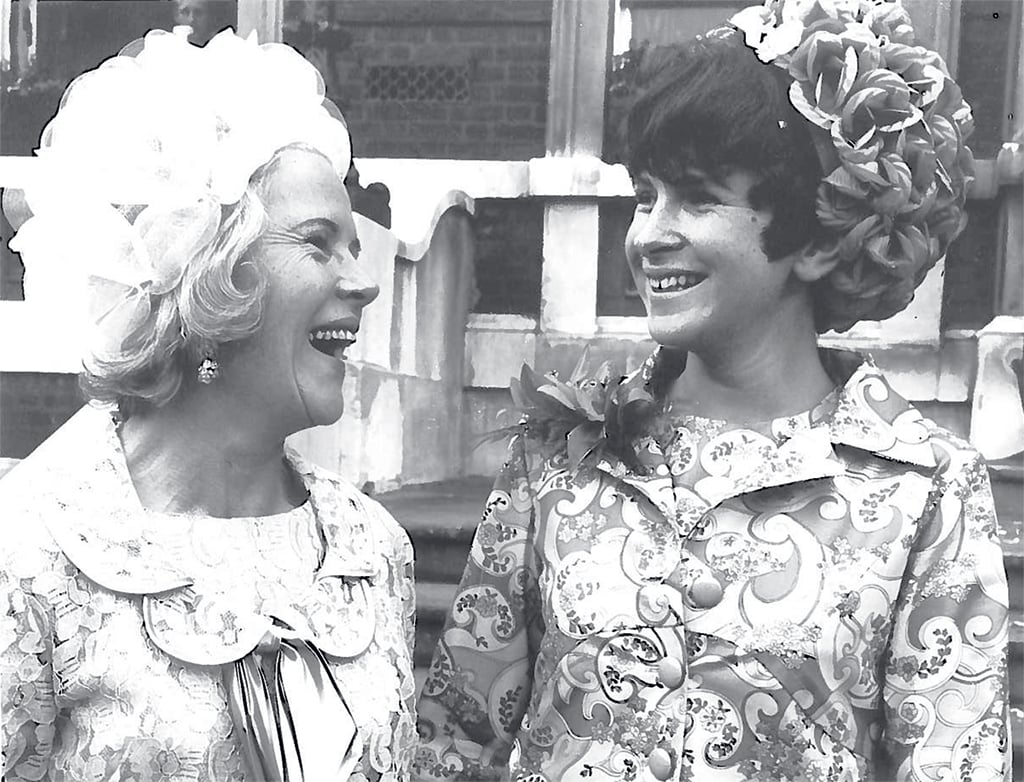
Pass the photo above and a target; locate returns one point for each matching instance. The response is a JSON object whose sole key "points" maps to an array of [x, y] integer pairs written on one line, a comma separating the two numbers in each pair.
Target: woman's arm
{"points": [[480, 681], [27, 704], [945, 686]]}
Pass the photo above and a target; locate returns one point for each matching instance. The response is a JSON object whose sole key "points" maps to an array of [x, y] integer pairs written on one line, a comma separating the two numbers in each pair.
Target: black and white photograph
{"points": [[511, 390]]}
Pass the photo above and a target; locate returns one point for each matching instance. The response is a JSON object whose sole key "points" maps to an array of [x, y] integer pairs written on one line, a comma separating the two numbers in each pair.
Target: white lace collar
{"points": [[81, 488]]}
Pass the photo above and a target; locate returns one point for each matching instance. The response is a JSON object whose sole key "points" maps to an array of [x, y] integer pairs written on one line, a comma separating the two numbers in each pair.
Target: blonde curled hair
{"points": [[218, 300]]}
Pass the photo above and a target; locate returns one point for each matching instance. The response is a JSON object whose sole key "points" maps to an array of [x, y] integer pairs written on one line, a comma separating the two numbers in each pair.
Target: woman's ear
{"points": [[815, 260]]}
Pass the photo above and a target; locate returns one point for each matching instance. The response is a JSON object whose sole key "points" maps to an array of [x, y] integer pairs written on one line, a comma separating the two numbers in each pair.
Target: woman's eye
{"points": [[321, 243], [700, 199]]}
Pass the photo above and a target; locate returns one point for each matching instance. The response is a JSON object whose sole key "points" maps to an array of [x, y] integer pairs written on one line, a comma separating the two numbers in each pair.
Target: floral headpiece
{"points": [[143, 152], [891, 128]]}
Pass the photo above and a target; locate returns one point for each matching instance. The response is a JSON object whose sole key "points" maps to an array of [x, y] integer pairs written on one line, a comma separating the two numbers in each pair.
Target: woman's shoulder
{"points": [[387, 525], [960, 468], [872, 415], [30, 554], [338, 503]]}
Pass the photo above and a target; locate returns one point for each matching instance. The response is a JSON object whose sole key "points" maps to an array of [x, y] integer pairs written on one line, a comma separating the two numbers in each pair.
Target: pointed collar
{"points": [[873, 417], [95, 516], [868, 413], [864, 412]]}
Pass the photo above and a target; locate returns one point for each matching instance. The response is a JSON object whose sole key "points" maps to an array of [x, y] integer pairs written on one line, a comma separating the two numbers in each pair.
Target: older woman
{"points": [[185, 597], [751, 560]]}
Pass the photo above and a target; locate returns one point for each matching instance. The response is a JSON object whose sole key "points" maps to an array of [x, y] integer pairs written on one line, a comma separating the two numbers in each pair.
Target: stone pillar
{"points": [[1010, 294], [568, 285], [997, 414], [266, 17], [937, 26], [581, 34]]}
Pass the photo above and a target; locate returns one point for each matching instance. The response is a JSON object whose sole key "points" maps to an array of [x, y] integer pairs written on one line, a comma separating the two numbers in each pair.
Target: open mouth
{"points": [[332, 342], [674, 283]]}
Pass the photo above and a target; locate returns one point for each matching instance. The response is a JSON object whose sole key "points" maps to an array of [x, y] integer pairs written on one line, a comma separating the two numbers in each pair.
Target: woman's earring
{"points": [[208, 369]]}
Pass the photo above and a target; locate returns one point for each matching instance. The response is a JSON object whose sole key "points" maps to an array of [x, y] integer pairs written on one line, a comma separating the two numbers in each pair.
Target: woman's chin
{"points": [[325, 412], [320, 386], [670, 333], [323, 406]]}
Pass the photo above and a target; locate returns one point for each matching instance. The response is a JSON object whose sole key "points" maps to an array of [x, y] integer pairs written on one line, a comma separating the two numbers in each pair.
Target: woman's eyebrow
{"points": [[317, 222], [697, 179]]}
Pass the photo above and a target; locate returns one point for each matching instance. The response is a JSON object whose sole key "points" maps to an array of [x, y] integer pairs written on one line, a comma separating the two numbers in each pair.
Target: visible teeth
{"points": [[328, 336], [337, 334], [675, 282]]}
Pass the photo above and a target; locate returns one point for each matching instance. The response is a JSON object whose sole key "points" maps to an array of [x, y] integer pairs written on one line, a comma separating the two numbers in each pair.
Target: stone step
{"points": [[440, 519], [433, 602]]}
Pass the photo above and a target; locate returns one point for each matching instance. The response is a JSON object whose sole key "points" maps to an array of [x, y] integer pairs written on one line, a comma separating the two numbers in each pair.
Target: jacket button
{"points": [[670, 672], [706, 593], [660, 764]]}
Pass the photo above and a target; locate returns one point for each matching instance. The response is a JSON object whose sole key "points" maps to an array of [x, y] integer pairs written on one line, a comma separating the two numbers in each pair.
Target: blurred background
{"points": [[484, 133]]}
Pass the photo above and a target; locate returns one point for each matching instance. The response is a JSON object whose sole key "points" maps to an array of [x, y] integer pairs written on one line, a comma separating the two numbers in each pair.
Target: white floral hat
{"points": [[174, 132]]}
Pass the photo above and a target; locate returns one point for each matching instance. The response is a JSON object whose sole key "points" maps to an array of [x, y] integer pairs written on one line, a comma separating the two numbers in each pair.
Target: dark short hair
{"points": [[710, 104]]}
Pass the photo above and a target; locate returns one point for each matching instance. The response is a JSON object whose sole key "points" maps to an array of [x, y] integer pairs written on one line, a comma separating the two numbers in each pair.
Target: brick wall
{"points": [[458, 79]]}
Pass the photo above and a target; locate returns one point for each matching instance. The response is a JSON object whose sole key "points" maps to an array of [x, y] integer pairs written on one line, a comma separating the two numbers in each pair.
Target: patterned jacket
{"points": [[820, 597], [117, 625]]}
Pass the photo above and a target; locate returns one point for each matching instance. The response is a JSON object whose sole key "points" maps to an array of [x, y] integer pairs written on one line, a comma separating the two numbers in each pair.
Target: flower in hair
{"points": [[896, 167], [143, 153]]}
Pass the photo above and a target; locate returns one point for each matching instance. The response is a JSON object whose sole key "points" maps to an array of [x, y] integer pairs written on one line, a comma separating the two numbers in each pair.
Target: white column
{"points": [[266, 17], [937, 26], [580, 45], [997, 415], [569, 278], [581, 33], [1010, 298]]}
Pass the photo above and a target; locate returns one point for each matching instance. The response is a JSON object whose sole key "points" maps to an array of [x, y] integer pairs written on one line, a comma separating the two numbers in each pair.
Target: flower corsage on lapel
{"points": [[594, 414]]}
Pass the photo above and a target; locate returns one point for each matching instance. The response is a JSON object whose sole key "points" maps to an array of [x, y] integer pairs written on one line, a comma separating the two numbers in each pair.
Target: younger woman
{"points": [[752, 559]]}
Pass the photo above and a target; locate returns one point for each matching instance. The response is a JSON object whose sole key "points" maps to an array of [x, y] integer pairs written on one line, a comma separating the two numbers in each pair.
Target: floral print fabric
{"points": [[117, 622], [820, 597]]}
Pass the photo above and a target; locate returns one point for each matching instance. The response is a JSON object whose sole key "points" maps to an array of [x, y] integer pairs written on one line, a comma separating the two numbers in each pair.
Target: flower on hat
{"points": [[896, 122], [168, 135], [891, 21], [766, 34]]}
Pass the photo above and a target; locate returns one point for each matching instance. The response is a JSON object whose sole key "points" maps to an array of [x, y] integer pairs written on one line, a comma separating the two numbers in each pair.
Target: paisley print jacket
{"points": [[820, 597], [116, 623]]}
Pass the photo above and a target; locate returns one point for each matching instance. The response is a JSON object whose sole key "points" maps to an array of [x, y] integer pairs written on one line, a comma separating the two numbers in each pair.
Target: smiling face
{"points": [[696, 252], [292, 369]]}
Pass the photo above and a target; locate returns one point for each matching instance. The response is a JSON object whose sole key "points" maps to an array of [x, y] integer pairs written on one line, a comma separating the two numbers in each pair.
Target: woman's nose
{"points": [[355, 283], [664, 229]]}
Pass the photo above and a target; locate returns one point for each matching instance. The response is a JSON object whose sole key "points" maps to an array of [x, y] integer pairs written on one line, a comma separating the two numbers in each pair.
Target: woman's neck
{"points": [[195, 458], [774, 373]]}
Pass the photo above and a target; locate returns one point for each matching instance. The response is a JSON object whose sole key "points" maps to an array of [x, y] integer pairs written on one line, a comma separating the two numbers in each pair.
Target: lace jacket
{"points": [[821, 597], [116, 624]]}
